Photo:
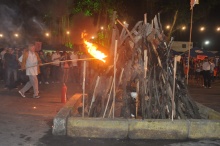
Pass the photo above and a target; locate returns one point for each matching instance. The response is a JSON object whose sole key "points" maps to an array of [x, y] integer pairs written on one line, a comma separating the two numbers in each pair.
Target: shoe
{"points": [[47, 83], [36, 96], [22, 94], [205, 87], [39, 82]]}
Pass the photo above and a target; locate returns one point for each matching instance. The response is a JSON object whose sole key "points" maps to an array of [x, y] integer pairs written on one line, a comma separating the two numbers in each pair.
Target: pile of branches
{"points": [[145, 77]]}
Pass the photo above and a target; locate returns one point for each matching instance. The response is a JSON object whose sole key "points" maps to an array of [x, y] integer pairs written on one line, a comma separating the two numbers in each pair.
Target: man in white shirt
{"points": [[206, 73], [56, 66], [74, 72], [30, 61]]}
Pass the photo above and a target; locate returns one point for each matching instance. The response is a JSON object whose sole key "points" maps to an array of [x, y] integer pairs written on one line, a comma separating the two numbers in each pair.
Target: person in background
{"points": [[206, 73], [4, 74], [30, 61], [65, 67], [43, 75], [74, 72], [212, 67], [198, 68], [56, 66], [49, 66], [11, 62]]}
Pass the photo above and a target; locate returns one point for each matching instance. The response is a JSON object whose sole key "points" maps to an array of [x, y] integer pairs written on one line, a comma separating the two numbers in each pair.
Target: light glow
{"points": [[16, 35], [202, 28], [47, 34], [1, 35], [92, 49], [183, 27], [207, 42], [168, 27]]}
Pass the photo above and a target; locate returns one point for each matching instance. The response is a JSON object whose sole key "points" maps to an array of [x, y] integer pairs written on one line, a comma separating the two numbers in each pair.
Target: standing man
{"points": [[11, 60], [30, 61], [206, 73], [74, 68], [56, 66]]}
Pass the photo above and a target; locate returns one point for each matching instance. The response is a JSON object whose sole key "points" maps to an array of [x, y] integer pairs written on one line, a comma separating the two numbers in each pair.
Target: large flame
{"points": [[92, 49]]}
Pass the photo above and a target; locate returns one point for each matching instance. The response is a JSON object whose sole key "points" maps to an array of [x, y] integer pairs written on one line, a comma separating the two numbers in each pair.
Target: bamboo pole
{"points": [[93, 96], [109, 95], [174, 82], [84, 79], [132, 38], [137, 100], [114, 77]]}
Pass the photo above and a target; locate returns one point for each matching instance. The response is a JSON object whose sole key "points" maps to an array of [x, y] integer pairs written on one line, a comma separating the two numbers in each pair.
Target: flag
{"points": [[192, 3]]}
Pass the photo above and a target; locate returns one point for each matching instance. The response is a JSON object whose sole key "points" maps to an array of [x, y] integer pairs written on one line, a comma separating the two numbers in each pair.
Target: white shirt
{"points": [[74, 57], [2, 54], [56, 59], [206, 66], [31, 64]]}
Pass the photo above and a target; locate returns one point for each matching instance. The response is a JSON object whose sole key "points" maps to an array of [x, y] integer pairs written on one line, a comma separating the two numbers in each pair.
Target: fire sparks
{"points": [[92, 49]]}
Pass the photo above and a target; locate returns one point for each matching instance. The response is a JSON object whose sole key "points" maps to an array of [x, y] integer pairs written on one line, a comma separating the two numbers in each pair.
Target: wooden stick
{"points": [[109, 95], [93, 96], [126, 30], [137, 90], [174, 82], [145, 18], [84, 79], [122, 71], [114, 77], [60, 61], [145, 63]]}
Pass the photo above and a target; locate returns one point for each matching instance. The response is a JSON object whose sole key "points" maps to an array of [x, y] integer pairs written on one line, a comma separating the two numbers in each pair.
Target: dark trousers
{"points": [[207, 78], [74, 74], [55, 73], [43, 74]]}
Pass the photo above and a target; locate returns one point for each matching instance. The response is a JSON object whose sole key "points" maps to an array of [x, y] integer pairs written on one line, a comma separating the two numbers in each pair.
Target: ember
{"points": [[92, 49]]}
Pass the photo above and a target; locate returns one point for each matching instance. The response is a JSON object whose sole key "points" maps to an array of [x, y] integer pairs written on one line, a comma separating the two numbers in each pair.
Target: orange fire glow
{"points": [[92, 49]]}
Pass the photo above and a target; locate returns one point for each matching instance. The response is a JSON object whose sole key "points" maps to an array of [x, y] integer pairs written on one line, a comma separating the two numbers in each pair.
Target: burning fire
{"points": [[92, 49]]}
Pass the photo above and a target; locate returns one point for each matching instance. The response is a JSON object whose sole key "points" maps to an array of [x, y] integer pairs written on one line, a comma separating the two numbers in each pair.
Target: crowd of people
{"points": [[30, 68], [203, 72]]}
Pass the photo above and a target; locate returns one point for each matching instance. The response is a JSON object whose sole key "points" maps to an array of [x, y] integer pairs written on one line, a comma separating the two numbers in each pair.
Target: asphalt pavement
{"points": [[28, 121]]}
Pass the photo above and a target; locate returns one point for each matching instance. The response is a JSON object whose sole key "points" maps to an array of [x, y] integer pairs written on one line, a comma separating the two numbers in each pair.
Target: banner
{"points": [[201, 57]]}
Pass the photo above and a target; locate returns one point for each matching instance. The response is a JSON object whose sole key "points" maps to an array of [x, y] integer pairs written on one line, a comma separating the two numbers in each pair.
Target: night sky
{"points": [[16, 16]]}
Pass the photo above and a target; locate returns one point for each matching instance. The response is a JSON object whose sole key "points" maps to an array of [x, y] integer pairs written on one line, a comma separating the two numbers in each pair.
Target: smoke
{"points": [[12, 21], [8, 26]]}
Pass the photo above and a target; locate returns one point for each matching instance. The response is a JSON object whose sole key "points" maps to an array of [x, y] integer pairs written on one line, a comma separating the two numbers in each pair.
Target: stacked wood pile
{"points": [[144, 82]]}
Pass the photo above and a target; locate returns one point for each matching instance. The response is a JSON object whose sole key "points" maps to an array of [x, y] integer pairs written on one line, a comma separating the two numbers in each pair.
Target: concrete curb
{"points": [[97, 128], [136, 129], [60, 120]]}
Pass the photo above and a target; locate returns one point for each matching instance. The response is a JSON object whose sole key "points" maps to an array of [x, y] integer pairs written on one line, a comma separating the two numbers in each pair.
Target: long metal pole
{"points": [[115, 57], [84, 80], [190, 39]]}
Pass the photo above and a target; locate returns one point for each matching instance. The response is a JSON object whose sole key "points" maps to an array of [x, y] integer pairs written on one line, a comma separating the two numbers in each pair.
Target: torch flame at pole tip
{"points": [[92, 49]]}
